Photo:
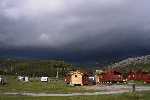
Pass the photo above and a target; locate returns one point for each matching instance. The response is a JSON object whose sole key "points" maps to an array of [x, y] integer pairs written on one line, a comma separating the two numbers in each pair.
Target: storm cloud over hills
{"points": [[75, 29]]}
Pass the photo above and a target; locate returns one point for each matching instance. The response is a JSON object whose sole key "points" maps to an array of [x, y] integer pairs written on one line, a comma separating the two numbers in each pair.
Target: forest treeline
{"points": [[35, 67]]}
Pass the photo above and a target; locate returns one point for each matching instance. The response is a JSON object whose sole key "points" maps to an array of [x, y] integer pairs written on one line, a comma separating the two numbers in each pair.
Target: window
{"points": [[75, 75], [133, 75]]}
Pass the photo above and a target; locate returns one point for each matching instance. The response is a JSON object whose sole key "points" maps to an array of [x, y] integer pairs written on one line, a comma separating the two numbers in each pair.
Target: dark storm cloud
{"points": [[75, 24]]}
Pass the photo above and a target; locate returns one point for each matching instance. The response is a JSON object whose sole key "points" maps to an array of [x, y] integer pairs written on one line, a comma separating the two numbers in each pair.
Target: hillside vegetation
{"points": [[133, 64], [34, 67]]}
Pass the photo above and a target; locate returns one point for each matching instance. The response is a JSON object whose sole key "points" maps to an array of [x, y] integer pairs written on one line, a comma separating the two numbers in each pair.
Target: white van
{"points": [[23, 78], [44, 79]]}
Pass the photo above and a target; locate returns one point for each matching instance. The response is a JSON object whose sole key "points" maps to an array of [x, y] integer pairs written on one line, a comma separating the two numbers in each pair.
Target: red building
{"points": [[146, 78], [139, 76], [110, 76]]}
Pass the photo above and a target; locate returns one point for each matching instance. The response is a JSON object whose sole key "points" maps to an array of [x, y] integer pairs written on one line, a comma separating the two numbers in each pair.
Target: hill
{"points": [[135, 64]]}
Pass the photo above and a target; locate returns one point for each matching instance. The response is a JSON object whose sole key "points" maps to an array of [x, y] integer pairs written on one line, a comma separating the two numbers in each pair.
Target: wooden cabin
{"points": [[110, 76], [74, 78], [78, 78]]}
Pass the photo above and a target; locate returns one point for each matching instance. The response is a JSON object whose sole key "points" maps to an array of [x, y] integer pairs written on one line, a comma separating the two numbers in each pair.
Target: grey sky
{"points": [[74, 23]]}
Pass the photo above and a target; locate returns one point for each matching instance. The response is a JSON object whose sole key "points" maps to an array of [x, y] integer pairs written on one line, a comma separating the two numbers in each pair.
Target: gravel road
{"points": [[113, 89]]}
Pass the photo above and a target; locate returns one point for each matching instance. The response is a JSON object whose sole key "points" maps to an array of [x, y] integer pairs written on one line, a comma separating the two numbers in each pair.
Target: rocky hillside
{"points": [[137, 63]]}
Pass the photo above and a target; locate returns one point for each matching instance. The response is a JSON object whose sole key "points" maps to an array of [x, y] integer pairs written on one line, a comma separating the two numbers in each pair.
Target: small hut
{"points": [[77, 78]]}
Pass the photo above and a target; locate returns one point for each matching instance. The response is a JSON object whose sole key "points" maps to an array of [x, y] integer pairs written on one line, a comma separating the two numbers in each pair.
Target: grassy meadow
{"points": [[59, 87], [36, 86]]}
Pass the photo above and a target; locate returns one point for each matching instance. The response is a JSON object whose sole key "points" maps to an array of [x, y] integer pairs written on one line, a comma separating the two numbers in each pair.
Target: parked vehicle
{"points": [[44, 79], [23, 78], [3, 80]]}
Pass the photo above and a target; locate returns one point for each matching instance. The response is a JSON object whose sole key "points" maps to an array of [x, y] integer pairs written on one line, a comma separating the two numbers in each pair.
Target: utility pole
{"points": [[57, 74], [133, 87]]}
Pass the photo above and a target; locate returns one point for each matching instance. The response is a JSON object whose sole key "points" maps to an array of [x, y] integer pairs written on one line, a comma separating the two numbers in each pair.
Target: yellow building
{"points": [[74, 78]]}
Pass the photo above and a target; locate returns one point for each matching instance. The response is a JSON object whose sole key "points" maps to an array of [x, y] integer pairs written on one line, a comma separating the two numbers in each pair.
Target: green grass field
{"points": [[37, 86], [59, 87], [136, 96]]}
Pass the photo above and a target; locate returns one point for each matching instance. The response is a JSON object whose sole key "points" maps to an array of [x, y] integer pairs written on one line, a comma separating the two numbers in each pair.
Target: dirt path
{"points": [[114, 89], [71, 94]]}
